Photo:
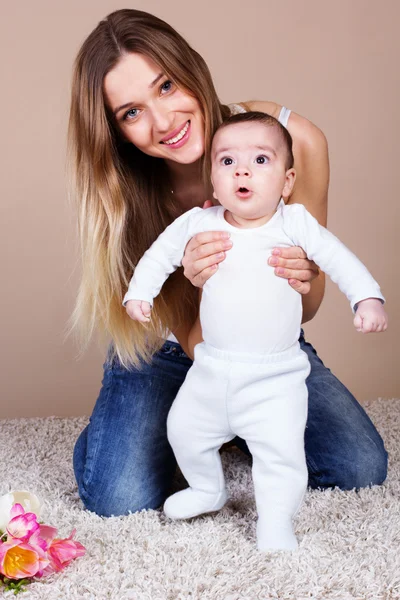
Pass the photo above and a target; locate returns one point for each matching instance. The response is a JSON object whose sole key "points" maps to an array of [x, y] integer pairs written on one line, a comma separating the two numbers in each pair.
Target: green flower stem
{"points": [[15, 585]]}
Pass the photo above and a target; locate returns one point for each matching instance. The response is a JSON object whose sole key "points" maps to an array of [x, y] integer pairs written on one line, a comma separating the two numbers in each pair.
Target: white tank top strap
{"points": [[284, 116]]}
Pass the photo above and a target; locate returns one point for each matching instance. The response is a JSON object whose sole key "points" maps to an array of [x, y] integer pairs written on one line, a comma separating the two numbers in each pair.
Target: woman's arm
{"points": [[188, 336], [310, 151]]}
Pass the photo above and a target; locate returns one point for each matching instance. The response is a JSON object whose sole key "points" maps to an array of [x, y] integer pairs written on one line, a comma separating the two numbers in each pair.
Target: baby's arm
{"points": [[342, 266], [162, 258]]}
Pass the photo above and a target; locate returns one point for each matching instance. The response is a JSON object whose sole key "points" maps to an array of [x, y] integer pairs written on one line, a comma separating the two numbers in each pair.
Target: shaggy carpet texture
{"points": [[349, 541]]}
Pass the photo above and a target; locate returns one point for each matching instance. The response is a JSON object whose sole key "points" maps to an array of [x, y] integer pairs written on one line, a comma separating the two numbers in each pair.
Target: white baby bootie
{"points": [[191, 503], [277, 536]]}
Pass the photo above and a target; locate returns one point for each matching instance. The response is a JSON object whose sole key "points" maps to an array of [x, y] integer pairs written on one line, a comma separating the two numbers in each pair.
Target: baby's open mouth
{"points": [[243, 192]]}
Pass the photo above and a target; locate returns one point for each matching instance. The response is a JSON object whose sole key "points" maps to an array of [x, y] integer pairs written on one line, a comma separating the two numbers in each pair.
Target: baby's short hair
{"points": [[268, 121]]}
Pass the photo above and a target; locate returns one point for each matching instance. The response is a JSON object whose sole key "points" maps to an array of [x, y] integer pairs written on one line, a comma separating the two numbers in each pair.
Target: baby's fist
{"points": [[138, 310], [370, 316]]}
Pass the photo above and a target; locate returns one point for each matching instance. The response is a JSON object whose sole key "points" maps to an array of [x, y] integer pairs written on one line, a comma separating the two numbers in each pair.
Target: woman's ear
{"points": [[290, 178]]}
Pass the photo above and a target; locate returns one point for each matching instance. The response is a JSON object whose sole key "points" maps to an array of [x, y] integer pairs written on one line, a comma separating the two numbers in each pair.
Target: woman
{"points": [[143, 113]]}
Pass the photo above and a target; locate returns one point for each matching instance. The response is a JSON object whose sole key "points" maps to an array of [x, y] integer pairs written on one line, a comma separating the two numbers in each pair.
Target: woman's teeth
{"points": [[179, 136]]}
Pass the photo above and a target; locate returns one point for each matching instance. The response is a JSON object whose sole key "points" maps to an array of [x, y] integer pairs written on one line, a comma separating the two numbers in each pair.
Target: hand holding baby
{"points": [[370, 316], [138, 310]]}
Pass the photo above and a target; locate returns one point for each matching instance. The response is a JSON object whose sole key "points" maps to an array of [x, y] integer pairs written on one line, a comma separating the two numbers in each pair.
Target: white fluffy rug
{"points": [[349, 541]]}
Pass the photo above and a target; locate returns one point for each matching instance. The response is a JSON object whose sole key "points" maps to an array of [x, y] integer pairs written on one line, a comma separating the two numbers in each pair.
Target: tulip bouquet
{"points": [[29, 548]]}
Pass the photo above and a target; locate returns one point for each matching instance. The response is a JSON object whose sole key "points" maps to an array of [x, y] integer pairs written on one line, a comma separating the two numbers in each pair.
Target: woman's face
{"points": [[150, 111]]}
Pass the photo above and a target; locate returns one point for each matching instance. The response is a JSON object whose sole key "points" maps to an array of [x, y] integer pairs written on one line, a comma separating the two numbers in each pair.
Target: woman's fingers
{"points": [[199, 271], [207, 204], [206, 237], [203, 252], [200, 279], [293, 258], [292, 263], [303, 275], [292, 252], [303, 287]]}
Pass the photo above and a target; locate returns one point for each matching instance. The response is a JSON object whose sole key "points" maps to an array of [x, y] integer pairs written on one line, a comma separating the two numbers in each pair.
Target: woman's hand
{"points": [[292, 264], [203, 253]]}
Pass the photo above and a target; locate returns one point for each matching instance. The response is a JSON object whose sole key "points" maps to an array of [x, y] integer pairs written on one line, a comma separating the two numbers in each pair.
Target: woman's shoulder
{"points": [[302, 130]]}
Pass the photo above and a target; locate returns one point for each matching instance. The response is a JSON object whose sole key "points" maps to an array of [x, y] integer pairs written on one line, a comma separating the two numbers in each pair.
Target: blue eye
{"points": [[227, 161], [166, 86], [131, 114], [262, 160]]}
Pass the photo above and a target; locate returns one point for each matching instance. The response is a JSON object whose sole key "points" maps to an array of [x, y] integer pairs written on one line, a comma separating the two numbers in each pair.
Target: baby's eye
{"points": [[262, 159], [226, 161], [131, 114]]}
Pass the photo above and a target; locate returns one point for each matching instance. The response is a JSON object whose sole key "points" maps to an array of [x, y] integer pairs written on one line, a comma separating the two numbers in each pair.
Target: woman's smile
{"points": [[179, 135]]}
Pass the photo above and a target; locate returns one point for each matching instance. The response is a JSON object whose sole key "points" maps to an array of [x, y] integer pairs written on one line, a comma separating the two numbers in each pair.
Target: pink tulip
{"points": [[22, 525], [62, 552], [18, 560], [41, 538]]}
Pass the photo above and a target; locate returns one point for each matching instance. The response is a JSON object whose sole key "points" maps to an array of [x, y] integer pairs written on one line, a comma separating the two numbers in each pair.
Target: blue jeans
{"points": [[124, 463]]}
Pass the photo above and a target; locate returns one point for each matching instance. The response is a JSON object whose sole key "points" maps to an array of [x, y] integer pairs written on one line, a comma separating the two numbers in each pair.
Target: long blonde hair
{"points": [[123, 196]]}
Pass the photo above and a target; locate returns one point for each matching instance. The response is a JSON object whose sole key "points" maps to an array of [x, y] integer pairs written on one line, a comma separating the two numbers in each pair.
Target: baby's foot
{"points": [[277, 536], [191, 503]]}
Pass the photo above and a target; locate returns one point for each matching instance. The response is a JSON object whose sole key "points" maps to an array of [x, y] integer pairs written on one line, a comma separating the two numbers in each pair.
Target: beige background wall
{"points": [[335, 63]]}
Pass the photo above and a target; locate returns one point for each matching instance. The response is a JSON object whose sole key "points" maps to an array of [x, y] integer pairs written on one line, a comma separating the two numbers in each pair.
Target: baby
{"points": [[248, 376]]}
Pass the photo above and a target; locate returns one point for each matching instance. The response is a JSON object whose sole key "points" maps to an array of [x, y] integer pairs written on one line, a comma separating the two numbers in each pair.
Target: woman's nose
{"points": [[162, 120]]}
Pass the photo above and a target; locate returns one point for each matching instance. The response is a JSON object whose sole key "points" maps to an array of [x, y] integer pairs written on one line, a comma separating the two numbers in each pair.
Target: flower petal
{"points": [[80, 550], [18, 561], [63, 550], [38, 543], [23, 526], [47, 532], [16, 511]]}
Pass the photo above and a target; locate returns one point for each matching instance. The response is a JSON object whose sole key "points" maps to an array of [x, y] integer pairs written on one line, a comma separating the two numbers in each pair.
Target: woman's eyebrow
{"points": [[152, 84]]}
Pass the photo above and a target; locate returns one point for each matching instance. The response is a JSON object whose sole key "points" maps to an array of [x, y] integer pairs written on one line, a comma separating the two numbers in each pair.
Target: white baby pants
{"points": [[262, 399]]}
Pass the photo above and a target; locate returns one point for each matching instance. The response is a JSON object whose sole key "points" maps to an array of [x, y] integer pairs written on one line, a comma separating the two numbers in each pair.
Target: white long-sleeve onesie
{"points": [[245, 307], [249, 376]]}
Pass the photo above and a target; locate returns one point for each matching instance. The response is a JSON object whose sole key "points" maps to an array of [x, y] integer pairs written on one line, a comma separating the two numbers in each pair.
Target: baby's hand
{"points": [[138, 310], [370, 316]]}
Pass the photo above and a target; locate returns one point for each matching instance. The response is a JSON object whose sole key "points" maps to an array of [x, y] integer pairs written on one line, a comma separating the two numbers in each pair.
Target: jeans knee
{"points": [[357, 472], [364, 475], [372, 471], [111, 503]]}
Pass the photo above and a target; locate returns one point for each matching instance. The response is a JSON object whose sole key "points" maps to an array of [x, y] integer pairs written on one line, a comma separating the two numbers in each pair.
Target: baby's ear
{"points": [[289, 183], [214, 195]]}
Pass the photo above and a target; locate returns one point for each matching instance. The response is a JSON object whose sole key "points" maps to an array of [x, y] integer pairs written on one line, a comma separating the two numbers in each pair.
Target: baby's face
{"points": [[248, 169]]}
